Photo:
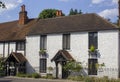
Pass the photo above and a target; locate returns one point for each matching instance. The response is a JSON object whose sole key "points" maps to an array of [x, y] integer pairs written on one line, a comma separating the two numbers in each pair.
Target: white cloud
{"points": [[109, 13], [97, 1], [10, 4], [114, 1]]}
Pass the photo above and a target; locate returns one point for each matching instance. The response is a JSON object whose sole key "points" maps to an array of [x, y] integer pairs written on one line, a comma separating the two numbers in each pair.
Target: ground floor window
{"points": [[92, 69], [43, 65]]}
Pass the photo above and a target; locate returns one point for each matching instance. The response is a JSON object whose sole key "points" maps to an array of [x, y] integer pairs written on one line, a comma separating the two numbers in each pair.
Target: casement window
{"points": [[20, 45], [66, 41], [43, 42], [92, 66], [93, 39], [43, 65]]}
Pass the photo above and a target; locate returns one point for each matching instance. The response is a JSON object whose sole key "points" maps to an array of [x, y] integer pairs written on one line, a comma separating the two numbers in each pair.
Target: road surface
{"points": [[14, 79]]}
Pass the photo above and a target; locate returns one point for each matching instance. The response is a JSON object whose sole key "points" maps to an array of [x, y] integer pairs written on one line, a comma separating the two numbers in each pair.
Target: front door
{"points": [[64, 72], [92, 69]]}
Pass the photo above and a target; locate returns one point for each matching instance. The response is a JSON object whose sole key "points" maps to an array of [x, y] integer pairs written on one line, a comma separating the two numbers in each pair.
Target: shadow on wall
{"points": [[83, 72], [30, 69]]}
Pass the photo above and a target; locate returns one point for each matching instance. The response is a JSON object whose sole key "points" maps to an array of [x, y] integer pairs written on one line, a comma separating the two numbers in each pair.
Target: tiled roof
{"points": [[75, 23], [62, 53], [12, 31], [17, 56]]}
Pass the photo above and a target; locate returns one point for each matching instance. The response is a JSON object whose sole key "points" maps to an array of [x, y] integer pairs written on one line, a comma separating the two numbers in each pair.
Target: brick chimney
{"points": [[119, 13], [23, 18], [59, 13]]}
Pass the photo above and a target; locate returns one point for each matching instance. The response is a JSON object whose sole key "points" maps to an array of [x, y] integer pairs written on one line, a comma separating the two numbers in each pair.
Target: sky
{"points": [[105, 8]]}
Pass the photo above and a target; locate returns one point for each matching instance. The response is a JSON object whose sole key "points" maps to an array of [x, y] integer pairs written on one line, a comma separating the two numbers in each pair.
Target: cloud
{"points": [[114, 1], [109, 13], [10, 4], [97, 1]]}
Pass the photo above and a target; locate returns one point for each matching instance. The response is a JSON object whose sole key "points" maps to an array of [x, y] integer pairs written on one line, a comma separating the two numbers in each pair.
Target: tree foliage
{"points": [[74, 12], [2, 5], [2, 66], [48, 13]]}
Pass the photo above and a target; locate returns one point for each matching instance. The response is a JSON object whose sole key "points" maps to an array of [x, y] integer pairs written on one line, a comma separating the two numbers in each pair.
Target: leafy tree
{"points": [[48, 13], [2, 5], [74, 12], [2, 66], [71, 12], [80, 11]]}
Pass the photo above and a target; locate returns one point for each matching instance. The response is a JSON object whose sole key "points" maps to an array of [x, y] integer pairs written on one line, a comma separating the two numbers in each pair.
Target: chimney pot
{"points": [[59, 13], [119, 13], [23, 19], [23, 8]]}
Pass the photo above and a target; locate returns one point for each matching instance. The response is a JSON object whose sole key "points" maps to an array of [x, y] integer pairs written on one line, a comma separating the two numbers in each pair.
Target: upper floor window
{"points": [[43, 42], [66, 41], [20, 45], [93, 39]]}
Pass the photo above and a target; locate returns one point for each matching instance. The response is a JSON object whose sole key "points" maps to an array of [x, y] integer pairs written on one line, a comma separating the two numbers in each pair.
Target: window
{"points": [[92, 69], [43, 65], [43, 42], [20, 45], [66, 41], [93, 39]]}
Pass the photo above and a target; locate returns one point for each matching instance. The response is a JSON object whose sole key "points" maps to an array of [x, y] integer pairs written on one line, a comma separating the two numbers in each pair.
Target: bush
{"points": [[21, 75], [49, 76], [76, 78], [36, 75], [29, 75], [89, 79]]}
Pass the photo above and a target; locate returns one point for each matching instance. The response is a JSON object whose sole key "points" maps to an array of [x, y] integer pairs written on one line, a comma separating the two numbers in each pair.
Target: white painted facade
{"points": [[7, 47], [108, 46]]}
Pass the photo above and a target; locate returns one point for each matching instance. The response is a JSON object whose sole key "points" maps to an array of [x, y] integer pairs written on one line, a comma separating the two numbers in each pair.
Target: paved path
{"points": [[16, 79]]}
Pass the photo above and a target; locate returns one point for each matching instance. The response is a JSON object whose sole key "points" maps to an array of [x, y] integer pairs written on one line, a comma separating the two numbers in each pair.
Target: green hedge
{"points": [[34, 75]]}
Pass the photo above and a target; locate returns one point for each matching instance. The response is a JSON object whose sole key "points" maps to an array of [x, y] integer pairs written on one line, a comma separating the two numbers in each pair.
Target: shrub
{"points": [[76, 78], [21, 75], [29, 75], [89, 79], [49, 76], [36, 75]]}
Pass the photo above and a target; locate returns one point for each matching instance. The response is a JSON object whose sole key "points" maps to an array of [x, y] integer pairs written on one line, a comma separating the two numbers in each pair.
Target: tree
{"points": [[2, 66], [2, 5], [71, 12], [48, 13], [74, 12]]}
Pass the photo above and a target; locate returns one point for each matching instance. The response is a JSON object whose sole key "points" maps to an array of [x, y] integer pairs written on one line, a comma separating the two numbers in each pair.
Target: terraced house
{"points": [[33, 45]]}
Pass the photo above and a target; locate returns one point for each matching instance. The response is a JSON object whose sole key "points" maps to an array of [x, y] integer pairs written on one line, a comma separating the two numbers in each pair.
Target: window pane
{"points": [[92, 69], [43, 42], [93, 39], [43, 65], [66, 41], [20, 46]]}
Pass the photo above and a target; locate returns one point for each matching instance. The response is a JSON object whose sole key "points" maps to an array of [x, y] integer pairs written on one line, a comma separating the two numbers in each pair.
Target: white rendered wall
{"points": [[6, 49], [54, 44], [32, 53], [1, 49], [12, 47], [108, 46]]}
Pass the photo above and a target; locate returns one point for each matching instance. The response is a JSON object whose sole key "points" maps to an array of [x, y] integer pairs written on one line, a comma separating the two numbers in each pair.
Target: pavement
{"points": [[38, 79]]}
